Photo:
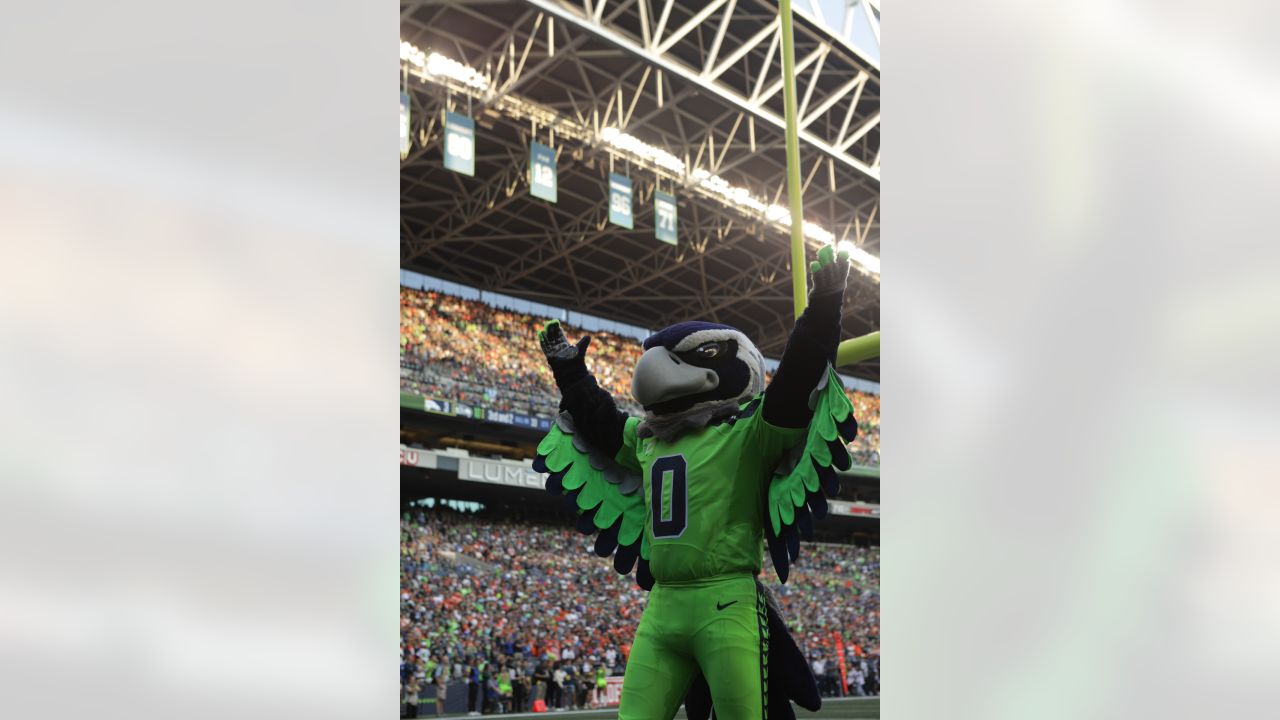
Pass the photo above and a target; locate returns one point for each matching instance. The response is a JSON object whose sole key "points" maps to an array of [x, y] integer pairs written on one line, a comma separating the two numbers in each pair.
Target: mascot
{"points": [[688, 495]]}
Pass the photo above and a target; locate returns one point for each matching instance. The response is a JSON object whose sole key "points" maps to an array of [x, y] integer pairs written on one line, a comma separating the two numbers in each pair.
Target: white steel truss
{"points": [[695, 80], [699, 63]]}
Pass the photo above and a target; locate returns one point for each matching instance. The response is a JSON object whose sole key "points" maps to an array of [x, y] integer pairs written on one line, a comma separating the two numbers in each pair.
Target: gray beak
{"points": [[661, 376]]}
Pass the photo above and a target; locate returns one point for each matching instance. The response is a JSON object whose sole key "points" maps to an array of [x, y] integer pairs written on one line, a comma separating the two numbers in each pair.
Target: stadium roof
{"points": [[701, 81]]}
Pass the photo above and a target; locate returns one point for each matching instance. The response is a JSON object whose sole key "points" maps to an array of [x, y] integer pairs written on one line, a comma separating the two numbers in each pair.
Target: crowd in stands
{"points": [[524, 612], [470, 352]]}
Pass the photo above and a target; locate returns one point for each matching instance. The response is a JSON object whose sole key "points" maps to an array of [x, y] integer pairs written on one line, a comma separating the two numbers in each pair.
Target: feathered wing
{"points": [[802, 484], [608, 497]]}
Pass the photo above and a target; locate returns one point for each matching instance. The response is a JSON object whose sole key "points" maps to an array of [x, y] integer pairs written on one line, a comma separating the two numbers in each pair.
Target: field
{"points": [[832, 708]]}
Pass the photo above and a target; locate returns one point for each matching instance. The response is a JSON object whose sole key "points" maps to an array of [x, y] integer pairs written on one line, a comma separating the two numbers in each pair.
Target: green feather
{"points": [[788, 492], [632, 525], [596, 495], [552, 440], [608, 513], [577, 476], [592, 494]]}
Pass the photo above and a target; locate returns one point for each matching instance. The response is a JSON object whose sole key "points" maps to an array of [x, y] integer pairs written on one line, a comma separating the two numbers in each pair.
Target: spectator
{"points": [[411, 699], [558, 678], [442, 689], [473, 689], [468, 352], [479, 590]]}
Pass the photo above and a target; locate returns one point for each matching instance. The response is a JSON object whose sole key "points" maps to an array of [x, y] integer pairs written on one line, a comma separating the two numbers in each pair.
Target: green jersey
{"points": [[705, 493]]}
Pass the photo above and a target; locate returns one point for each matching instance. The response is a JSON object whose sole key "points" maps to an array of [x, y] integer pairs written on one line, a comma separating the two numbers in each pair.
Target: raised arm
{"points": [[594, 413], [811, 346]]}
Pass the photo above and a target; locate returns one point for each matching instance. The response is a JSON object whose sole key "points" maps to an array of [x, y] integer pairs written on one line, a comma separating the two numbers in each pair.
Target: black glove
{"points": [[830, 274], [568, 362], [789, 680]]}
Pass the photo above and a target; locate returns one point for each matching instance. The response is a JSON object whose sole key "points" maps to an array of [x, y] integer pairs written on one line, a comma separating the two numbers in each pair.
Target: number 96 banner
{"points": [[620, 201]]}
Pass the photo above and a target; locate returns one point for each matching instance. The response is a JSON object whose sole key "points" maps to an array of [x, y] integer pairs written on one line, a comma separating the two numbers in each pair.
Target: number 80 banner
{"points": [[460, 143]]}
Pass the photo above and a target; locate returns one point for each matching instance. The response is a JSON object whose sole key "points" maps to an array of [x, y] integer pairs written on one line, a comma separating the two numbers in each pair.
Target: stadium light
{"points": [[436, 65], [860, 256], [635, 146]]}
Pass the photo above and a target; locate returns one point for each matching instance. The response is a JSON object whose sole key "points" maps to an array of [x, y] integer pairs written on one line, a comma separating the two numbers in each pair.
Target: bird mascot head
{"points": [[692, 373]]}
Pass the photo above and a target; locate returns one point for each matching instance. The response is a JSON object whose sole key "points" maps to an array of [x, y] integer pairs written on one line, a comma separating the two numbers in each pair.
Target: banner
{"points": [[620, 201], [409, 456], [498, 416], [542, 171], [664, 213], [436, 406], [414, 457], [475, 412], [459, 143], [404, 125], [853, 509], [612, 691]]}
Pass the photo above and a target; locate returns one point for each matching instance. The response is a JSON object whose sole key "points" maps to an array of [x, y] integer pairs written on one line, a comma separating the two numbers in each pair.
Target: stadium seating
{"points": [[466, 351], [526, 597]]}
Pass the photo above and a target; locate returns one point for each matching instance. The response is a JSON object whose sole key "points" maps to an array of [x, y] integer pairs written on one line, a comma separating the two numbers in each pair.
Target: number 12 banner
{"points": [[664, 214], [620, 201], [542, 172]]}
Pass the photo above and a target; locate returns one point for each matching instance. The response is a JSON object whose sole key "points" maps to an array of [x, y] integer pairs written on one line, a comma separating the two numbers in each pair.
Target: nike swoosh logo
{"points": [[721, 607]]}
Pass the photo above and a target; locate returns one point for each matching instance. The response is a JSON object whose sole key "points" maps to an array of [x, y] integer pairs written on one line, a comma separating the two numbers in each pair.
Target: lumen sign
{"points": [[498, 472]]}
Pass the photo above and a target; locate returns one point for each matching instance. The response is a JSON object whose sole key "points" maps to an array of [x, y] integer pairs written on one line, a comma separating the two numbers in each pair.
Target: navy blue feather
{"points": [[818, 503], [553, 482], [571, 499], [587, 523], [827, 477], [804, 522], [644, 577], [788, 665], [848, 428], [839, 454], [625, 558], [607, 540], [540, 464], [792, 539]]}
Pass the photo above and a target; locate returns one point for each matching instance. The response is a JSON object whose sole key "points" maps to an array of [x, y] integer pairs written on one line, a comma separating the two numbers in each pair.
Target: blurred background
{"points": [[1080, 370], [200, 227], [197, 243]]}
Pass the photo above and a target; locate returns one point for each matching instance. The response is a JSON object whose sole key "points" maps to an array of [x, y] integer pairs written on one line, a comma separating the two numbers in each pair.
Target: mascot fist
{"points": [[830, 272]]}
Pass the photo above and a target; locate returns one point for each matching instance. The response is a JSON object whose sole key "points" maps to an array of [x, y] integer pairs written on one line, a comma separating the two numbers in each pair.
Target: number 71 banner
{"points": [[664, 214]]}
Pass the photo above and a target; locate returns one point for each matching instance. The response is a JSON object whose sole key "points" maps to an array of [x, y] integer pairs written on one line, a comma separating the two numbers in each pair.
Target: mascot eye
{"points": [[709, 350]]}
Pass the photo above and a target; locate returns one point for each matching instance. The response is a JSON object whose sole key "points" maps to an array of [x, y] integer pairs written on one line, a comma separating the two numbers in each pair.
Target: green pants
{"points": [[717, 626]]}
